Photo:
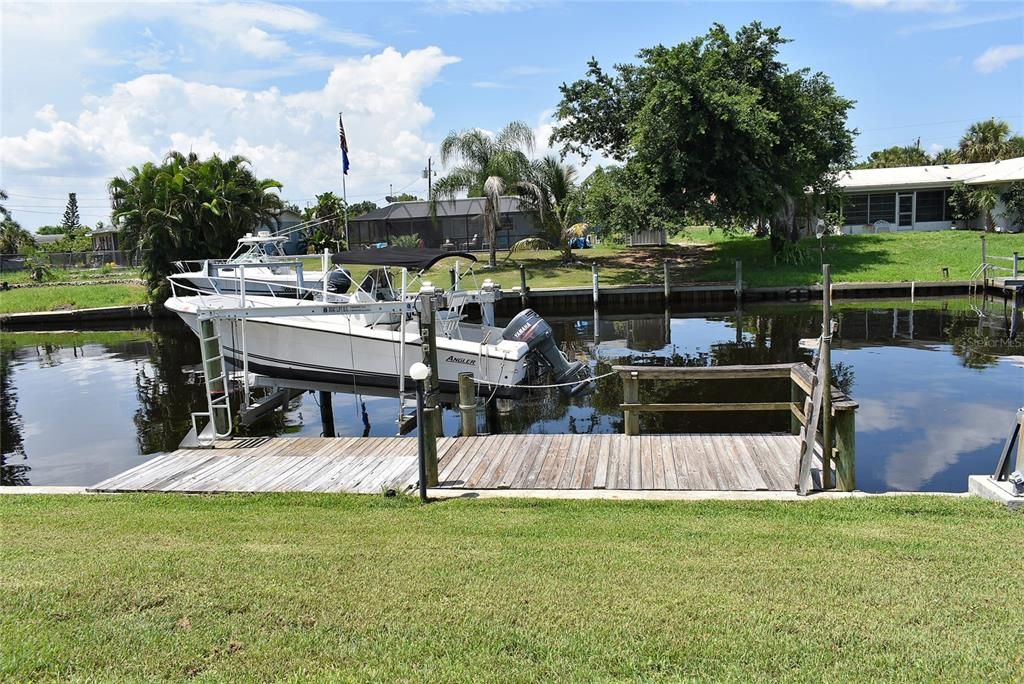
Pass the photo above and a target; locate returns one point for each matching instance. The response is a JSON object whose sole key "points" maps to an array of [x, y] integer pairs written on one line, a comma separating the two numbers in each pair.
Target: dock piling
{"points": [[524, 291], [430, 425], [596, 287], [467, 404], [667, 280], [631, 395], [739, 280], [826, 367], [327, 413]]}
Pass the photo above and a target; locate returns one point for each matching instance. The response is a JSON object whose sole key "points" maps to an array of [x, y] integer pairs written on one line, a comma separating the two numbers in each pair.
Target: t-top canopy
{"points": [[404, 257]]}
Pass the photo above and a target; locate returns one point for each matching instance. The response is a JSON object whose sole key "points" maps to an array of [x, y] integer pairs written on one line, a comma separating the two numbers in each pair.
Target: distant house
{"points": [[105, 239], [916, 197], [459, 224], [285, 224], [47, 239]]}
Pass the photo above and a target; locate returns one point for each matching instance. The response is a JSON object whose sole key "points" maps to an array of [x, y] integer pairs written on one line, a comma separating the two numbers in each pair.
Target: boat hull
{"points": [[339, 352]]}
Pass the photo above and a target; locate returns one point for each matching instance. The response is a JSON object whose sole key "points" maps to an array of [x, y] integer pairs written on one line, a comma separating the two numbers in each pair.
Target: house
{"points": [[105, 239], [916, 197], [459, 224], [285, 223]]}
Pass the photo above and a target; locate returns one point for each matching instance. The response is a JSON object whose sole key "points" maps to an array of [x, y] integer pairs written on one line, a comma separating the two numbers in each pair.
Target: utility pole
{"points": [[428, 173]]}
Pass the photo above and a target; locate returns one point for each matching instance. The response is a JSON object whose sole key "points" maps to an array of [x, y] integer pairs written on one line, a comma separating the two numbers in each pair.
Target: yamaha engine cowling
{"points": [[530, 328], [339, 281]]}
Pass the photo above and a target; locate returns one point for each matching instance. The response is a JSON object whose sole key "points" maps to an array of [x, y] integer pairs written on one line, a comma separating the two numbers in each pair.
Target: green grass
{"points": [[61, 297], [74, 274], [227, 588], [892, 257]]}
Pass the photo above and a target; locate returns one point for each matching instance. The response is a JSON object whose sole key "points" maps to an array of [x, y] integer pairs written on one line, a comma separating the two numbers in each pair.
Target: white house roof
{"points": [[935, 175]]}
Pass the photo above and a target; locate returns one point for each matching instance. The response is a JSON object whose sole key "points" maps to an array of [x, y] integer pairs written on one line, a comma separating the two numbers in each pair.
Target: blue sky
{"points": [[89, 89]]}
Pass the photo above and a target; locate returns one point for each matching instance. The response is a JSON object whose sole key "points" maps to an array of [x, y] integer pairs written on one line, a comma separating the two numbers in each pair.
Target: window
{"points": [[882, 207], [855, 209], [931, 205]]}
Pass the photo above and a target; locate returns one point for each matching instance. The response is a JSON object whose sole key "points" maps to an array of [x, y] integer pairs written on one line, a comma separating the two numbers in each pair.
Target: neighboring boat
{"points": [[370, 347], [267, 270]]}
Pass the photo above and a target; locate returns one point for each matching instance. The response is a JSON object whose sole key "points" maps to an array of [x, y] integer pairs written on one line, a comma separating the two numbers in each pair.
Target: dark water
{"points": [[938, 385]]}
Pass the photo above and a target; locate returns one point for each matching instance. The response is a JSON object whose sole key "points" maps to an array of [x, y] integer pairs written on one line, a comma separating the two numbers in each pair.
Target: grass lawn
{"points": [[703, 256], [296, 587], [59, 297], [74, 274]]}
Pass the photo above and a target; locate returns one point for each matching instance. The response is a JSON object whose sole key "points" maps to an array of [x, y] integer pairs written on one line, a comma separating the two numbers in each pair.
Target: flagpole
{"points": [[344, 199]]}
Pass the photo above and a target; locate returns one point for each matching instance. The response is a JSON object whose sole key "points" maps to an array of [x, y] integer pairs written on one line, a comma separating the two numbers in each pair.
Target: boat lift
{"points": [[219, 414]]}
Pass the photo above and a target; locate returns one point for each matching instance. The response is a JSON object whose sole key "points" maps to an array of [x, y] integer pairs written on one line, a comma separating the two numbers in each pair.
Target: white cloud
{"points": [[997, 57], [962, 21], [477, 6], [290, 137], [259, 43], [905, 5]]}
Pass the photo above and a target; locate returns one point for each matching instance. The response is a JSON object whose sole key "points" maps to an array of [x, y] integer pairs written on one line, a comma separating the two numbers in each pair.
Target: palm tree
{"points": [[985, 200], [986, 141], [488, 167], [188, 208], [14, 238], [3, 209], [557, 182], [327, 220]]}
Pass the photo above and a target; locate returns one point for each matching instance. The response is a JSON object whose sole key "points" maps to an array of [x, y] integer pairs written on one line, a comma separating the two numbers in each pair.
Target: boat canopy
{"points": [[403, 257]]}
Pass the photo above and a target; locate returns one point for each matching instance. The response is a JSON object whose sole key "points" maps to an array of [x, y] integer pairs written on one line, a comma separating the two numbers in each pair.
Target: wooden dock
{"points": [[692, 462]]}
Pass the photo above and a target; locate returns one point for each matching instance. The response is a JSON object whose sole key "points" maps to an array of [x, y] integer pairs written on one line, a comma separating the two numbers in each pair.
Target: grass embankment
{"points": [[307, 587], [704, 256], [64, 297]]}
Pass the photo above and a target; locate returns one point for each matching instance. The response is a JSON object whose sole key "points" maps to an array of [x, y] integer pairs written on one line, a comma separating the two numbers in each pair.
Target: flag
{"points": [[344, 145]]}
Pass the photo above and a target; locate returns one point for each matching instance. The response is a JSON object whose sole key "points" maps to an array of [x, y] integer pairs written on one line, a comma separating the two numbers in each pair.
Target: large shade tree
{"points": [[718, 127], [487, 166], [189, 208]]}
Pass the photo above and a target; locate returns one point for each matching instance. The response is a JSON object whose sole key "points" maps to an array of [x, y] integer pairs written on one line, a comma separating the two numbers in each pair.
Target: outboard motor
{"points": [[339, 281], [530, 328]]}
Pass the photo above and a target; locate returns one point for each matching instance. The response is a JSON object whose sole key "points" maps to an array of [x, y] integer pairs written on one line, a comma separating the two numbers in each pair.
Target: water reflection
{"points": [[938, 383]]}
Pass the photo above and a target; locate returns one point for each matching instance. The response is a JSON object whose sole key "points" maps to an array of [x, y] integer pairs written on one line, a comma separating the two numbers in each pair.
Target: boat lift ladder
{"points": [[218, 399]]}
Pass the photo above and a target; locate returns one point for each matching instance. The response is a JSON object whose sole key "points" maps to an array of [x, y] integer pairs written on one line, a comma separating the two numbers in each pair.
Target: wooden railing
{"points": [[801, 377]]}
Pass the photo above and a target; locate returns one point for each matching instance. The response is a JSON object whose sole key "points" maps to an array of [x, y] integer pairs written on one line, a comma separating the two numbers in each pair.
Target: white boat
{"points": [[372, 335], [267, 270]]}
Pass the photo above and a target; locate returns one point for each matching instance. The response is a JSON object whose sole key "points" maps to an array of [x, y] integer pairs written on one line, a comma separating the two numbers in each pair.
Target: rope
{"points": [[560, 384]]}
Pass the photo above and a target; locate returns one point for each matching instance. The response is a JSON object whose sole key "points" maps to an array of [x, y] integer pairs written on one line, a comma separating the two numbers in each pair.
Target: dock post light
{"points": [[419, 372]]}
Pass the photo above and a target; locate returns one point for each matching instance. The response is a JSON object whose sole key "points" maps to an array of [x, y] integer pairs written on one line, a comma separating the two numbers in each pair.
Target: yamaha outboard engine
{"points": [[339, 281], [530, 328]]}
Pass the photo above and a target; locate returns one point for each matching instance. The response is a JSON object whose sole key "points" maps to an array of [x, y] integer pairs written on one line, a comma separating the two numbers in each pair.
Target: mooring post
{"points": [[984, 262], [524, 291], [327, 413], [631, 395], [739, 280], [826, 367], [593, 269], [1016, 264], [467, 404], [668, 282], [431, 416], [845, 440]]}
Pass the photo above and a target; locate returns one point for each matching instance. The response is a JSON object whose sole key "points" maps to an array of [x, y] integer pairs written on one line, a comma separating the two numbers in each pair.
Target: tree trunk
{"points": [[490, 233]]}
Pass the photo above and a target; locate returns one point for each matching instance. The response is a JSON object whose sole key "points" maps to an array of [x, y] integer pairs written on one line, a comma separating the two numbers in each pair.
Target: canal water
{"points": [[938, 383]]}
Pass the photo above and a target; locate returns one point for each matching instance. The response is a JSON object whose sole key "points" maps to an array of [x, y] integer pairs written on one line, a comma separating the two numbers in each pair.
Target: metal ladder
{"points": [[217, 396]]}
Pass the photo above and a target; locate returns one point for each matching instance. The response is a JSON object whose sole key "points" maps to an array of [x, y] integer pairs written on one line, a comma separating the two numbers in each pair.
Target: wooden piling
{"points": [[467, 404], [739, 280], [524, 291], [845, 450], [631, 395], [826, 366], [596, 286], [327, 413], [431, 416], [667, 280]]}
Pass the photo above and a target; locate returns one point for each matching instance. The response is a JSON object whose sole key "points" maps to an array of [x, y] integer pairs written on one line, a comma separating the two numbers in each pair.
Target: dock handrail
{"points": [[801, 378]]}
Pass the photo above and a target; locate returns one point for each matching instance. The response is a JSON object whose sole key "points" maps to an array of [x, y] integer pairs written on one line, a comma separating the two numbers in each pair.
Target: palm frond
{"points": [[529, 244]]}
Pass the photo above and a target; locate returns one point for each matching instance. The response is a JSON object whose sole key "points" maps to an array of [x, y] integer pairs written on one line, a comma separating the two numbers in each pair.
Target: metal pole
{"points": [[984, 262], [421, 441], [326, 267], [344, 202], [826, 365], [596, 287], [431, 416], [401, 356], [430, 181]]}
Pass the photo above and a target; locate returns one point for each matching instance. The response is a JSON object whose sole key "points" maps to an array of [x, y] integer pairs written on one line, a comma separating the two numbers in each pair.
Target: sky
{"points": [[90, 89]]}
